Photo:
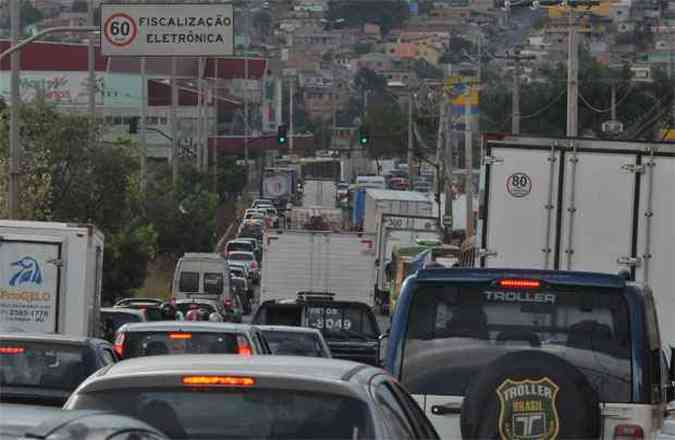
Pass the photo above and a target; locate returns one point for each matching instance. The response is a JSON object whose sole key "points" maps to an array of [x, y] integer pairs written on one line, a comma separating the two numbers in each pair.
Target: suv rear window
{"points": [[232, 247], [115, 320], [454, 331], [240, 257], [260, 413], [188, 282], [137, 344], [43, 365]]}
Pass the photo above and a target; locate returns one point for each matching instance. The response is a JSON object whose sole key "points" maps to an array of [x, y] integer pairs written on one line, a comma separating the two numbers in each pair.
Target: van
{"points": [[202, 275]]}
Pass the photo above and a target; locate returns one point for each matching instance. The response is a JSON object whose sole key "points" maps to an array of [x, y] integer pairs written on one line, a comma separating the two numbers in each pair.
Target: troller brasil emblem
{"points": [[527, 410]]}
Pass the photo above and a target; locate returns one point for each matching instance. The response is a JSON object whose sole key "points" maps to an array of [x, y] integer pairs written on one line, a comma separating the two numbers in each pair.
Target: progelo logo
{"points": [[28, 272], [528, 410]]}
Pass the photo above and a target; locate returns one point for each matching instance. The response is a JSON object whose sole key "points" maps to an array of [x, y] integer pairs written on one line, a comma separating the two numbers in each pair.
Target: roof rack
{"points": [[307, 296]]}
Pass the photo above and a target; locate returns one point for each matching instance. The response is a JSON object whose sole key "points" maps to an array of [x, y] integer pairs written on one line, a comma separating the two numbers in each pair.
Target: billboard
{"points": [[167, 30], [59, 88]]}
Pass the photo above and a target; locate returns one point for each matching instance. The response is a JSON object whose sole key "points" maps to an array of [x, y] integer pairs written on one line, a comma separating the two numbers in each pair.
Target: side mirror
{"points": [[383, 339]]}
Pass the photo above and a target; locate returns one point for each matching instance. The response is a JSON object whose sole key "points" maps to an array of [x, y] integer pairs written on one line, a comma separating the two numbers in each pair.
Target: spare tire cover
{"points": [[529, 395]]}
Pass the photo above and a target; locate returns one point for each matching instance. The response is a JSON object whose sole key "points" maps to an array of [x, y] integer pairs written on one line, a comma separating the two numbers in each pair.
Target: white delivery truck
{"points": [[50, 277], [300, 218], [323, 262], [582, 204], [398, 218], [321, 193]]}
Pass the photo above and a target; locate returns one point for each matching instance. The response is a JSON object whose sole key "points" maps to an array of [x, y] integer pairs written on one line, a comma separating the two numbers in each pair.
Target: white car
{"points": [[246, 259]]}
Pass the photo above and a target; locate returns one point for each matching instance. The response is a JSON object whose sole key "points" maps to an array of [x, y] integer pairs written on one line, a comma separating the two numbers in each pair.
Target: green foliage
{"points": [[29, 15], [425, 70], [367, 80], [387, 129], [389, 14], [362, 48]]}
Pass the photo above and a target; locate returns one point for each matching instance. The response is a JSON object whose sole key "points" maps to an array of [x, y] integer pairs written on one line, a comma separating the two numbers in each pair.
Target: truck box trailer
{"points": [[382, 201], [582, 204], [50, 277], [319, 193], [323, 262]]}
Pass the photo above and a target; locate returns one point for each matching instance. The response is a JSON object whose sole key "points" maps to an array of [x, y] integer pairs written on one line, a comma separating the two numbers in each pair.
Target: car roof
{"points": [[289, 329], [193, 326], [322, 302], [291, 366], [122, 309], [239, 240], [50, 338], [240, 252]]}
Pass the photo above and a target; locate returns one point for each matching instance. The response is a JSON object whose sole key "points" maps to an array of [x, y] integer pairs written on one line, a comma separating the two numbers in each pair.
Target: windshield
{"points": [[42, 365], [455, 331], [158, 343], [115, 320], [231, 247], [342, 322], [240, 257], [294, 343], [256, 414]]}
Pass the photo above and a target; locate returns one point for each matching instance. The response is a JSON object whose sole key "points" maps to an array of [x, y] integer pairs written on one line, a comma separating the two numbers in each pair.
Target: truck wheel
{"points": [[530, 394]]}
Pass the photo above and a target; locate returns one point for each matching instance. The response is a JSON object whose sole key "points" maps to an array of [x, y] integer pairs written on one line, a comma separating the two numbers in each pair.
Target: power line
{"points": [[546, 107], [609, 109]]}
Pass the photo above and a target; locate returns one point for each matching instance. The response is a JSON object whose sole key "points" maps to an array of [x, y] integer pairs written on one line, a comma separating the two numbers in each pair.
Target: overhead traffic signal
{"points": [[282, 134], [364, 136]]}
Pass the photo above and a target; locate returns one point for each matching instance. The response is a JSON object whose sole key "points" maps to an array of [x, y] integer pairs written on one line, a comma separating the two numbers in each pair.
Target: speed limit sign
{"points": [[120, 30]]}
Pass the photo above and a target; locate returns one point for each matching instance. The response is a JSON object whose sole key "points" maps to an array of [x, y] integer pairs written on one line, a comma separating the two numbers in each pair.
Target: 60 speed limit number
{"points": [[120, 30]]}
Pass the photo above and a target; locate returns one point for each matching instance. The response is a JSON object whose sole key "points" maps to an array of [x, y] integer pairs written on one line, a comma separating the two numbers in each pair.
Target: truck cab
{"points": [[518, 353], [350, 328]]}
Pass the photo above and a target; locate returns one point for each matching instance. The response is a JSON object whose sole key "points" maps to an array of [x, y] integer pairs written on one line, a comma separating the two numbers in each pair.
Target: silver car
{"points": [[295, 341], [270, 397], [246, 259]]}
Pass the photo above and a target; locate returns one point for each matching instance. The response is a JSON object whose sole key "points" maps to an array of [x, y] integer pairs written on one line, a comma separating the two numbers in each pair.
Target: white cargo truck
{"points": [[322, 262], [384, 201], [50, 277], [582, 204], [321, 193]]}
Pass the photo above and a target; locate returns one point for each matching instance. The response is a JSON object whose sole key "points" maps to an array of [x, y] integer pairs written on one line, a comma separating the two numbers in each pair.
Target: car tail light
{"points": [[228, 381], [254, 265], [172, 300], [227, 303], [180, 335], [628, 432], [119, 344], [520, 283], [244, 347], [11, 350]]}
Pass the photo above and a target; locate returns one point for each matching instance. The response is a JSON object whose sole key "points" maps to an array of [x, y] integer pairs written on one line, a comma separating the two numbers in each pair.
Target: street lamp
{"points": [[14, 147]]}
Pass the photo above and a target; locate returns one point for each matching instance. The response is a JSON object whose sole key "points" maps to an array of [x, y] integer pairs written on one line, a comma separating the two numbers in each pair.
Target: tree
{"points": [[425, 70], [387, 127], [80, 6], [362, 48], [29, 15]]}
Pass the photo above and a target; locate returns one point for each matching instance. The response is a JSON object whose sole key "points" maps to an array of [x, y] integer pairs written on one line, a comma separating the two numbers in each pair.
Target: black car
{"points": [[350, 328], [46, 369]]}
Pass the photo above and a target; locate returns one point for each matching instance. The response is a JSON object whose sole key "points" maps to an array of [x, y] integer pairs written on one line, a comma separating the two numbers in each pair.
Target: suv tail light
{"points": [[254, 265], [119, 344], [227, 303], [11, 350], [628, 432], [244, 347], [520, 283]]}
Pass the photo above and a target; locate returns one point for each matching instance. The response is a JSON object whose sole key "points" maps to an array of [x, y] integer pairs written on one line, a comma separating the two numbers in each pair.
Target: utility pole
{"points": [[15, 98], [290, 117], [439, 140], [411, 157], [468, 164], [200, 115], [174, 122], [515, 100], [144, 100], [91, 64], [248, 36], [613, 102], [572, 78]]}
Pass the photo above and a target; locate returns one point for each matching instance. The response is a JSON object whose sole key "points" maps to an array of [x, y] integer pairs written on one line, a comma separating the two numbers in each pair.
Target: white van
{"points": [[202, 275]]}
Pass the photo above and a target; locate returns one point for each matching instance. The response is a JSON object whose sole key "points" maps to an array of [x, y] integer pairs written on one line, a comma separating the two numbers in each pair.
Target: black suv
{"points": [[349, 328]]}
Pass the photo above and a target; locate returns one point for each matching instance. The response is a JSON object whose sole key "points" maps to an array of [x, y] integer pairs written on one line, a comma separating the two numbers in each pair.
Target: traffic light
{"points": [[282, 134], [364, 137]]}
